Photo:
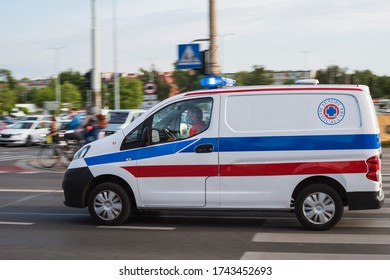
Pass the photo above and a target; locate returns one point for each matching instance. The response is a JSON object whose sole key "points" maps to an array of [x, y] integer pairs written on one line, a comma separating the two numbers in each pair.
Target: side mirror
{"points": [[155, 136], [184, 131]]}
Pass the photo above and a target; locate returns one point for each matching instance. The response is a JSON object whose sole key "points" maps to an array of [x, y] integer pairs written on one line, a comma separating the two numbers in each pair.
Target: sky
{"points": [[41, 37]]}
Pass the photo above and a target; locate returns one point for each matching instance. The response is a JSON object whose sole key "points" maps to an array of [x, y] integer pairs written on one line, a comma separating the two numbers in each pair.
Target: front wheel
{"points": [[48, 156], [318, 207], [28, 141], [109, 204]]}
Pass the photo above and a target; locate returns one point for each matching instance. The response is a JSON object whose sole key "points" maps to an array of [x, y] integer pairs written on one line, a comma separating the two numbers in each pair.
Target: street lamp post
{"points": [[58, 82], [306, 53], [95, 75]]}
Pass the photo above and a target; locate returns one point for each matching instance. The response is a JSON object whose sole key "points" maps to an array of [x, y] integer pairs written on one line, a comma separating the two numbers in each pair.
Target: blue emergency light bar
{"points": [[212, 82]]}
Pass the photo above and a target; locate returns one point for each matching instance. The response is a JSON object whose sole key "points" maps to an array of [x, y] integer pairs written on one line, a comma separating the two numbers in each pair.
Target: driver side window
{"points": [[181, 120], [177, 121]]}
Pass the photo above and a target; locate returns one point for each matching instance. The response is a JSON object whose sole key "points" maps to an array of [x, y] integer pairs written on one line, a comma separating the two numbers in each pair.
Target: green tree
{"points": [[383, 84], [131, 93], [39, 96], [80, 81], [7, 100], [6, 78], [332, 75], [366, 77], [70, 94], [259, 76], [187, 80]]}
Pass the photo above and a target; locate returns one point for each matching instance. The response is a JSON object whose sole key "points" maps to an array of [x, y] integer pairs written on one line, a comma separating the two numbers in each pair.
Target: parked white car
{"points": [[37, 118], [24, 133], [118, 119]]}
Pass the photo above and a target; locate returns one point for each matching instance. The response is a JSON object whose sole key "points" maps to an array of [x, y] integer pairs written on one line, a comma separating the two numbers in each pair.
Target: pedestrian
{"points": [[73, 134], [90, 126], [53, 135]]}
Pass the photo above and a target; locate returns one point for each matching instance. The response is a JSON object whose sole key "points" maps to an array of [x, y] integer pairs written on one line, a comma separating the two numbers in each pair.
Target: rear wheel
{"points": [[109, 204], [318, 207], [47, 156]]}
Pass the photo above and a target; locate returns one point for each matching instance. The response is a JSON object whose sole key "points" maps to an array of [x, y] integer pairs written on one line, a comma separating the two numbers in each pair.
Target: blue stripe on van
{"points": [[247, 144], [300, 143], [290, 143], [142, 153]]}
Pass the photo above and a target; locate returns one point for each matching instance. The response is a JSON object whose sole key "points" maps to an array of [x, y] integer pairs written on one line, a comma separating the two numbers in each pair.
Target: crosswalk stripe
{"points": [[322, 238], [137, 227], [9, 158], [16, 223], [364, 223], [383, 210], [31, 190], [310, 256]]}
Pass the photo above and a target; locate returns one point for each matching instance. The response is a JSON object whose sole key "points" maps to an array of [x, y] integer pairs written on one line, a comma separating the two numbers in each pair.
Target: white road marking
{"points": [[31, 190], [309, 256], [322, 238], [16, 223], [137, 227]]}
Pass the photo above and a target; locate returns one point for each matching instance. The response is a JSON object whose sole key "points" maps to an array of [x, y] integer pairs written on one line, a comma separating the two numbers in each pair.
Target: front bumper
{"points": [[12, 141], [75, 184]]}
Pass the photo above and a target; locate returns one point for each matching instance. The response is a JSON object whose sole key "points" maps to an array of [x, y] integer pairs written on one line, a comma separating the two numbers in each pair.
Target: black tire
{"points": [[67, 154], [28, 141], [318, 207], [109, 204], [47, 156]]}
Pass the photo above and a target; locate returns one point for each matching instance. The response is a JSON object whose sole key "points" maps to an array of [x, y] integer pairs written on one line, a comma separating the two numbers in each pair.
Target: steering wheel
{"points": [[170, 134]]}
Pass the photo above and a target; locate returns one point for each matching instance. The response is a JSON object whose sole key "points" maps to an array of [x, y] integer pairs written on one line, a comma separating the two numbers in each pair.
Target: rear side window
{"points": [[283, 112]]}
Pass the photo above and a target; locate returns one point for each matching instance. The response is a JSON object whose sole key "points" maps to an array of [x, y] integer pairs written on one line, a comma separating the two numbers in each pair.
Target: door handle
{"points": [[205, 148]]}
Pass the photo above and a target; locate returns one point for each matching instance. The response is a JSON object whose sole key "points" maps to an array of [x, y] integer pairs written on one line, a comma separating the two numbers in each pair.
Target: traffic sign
{"points": [[149, 97], [150, 88], [189, 57], [149, 104]]}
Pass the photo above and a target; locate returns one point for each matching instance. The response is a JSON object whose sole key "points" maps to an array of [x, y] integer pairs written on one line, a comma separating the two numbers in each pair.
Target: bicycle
{"points": [[60, 152]]}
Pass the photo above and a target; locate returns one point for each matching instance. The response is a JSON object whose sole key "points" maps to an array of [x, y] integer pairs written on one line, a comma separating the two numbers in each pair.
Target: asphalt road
{"points": [[34, 224]]}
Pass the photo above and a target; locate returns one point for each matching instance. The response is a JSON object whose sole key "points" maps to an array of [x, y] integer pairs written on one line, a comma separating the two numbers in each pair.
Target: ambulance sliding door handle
{"points": [[206, 148]]}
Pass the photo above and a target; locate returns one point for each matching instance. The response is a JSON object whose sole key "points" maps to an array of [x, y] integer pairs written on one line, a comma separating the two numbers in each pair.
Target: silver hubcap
{"points": [[108, 205], [319, 208]]}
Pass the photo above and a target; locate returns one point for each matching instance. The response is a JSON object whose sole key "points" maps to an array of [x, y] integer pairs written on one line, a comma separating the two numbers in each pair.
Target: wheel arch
{"points": [[112, 179], [336, 185]]}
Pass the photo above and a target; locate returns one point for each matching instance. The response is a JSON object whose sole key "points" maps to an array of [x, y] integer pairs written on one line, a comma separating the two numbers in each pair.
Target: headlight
{"points": [[82, 152]]}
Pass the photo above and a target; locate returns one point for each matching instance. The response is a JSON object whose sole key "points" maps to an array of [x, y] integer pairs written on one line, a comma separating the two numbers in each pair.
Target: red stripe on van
{"points": [[173, 170], [233, 90], [296, 168], [274, 169]]}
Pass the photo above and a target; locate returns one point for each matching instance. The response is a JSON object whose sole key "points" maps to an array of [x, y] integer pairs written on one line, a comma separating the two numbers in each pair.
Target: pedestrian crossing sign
{"points": [[189, 57]]}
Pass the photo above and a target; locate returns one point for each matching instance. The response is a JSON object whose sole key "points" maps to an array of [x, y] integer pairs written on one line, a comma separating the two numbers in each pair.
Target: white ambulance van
{"points": [[312, 149]]}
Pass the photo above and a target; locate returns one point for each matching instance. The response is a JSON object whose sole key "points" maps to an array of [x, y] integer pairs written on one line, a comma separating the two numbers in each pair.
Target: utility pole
{"points": [[115, 55], [214, 67], [96, 85]]}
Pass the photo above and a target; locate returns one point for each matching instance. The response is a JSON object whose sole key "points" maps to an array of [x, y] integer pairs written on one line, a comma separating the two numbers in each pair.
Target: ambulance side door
{"points": [[172, 164]]}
